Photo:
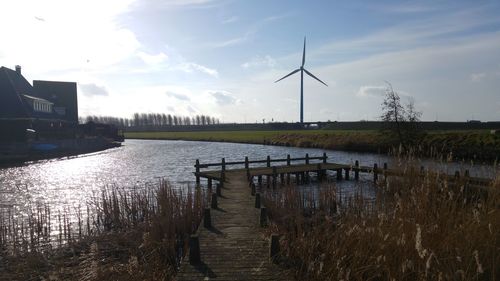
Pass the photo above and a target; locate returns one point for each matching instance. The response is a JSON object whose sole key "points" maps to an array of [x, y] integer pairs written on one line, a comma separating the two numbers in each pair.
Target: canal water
{"points": [[71, 182]]}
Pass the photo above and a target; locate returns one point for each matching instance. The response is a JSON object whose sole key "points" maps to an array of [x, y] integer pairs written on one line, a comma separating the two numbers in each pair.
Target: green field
{"points": [[243, 136], [478, 144]]}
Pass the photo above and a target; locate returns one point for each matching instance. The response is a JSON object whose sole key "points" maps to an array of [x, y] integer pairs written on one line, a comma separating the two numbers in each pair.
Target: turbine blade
{"points": [[310, 74], [291, 73], [304, 53]]}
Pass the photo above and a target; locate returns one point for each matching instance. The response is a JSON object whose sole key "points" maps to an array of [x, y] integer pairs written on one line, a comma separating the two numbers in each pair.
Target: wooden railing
{"points": [[288, 160]]}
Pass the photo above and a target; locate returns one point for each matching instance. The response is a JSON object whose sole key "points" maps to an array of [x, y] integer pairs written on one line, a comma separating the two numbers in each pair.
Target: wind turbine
{"points": [[302, 70]]}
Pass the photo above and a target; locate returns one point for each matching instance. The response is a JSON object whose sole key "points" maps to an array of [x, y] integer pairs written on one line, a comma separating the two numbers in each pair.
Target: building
{"points": [[44, 110]]}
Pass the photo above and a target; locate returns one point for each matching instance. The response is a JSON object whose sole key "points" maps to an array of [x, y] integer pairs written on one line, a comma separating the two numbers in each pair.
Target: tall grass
{"points": [[417, 228], [127, 235]]}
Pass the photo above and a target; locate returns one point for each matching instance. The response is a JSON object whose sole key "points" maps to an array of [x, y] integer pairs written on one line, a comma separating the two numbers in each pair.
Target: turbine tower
{"points": [[302, 70]]}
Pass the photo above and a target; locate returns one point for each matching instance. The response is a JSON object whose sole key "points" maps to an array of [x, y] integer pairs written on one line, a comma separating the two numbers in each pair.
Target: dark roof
{"points": [[15, 91], [12, 86]]}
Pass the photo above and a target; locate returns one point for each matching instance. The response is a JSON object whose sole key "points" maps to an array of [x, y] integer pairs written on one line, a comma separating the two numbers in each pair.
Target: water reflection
{"points": [[69, 183]]}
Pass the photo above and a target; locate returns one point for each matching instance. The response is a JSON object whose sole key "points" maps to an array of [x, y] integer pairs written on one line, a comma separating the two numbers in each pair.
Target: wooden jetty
{"points": [[289, 168], [230, 243]]}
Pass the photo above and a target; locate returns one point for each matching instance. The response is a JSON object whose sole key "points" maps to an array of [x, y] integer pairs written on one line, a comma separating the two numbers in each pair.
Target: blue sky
{"points": [[221, 57]]}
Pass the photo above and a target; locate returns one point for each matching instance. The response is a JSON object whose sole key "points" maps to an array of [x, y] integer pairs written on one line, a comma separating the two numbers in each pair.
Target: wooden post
{"points": [[197, 166], [282, 178], [246, 162], [274, 247], [375, 172], [268, 181], [467, 177], [218, 189], [288, 161], [214, 201], [307, 158], [385, 171], [209, 183], [274, 177], [222, 176], [248, 174], [259, 180], [253, 188], [319, 172], [207, 218], [268, 161], [324, 157], [263, 217], [347, 173], [339, 174], [194, 249], [224, 164], [288, 178], [356, 170], [257, 200]]}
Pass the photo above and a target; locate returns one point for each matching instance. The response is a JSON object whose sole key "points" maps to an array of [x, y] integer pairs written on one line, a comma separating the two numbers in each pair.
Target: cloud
{"points": [[230, 42], [178, 96], [230, 20], [426, 31], [326, 111], [190, 67], [223, 98], [93, 90], [88, 43], [251, 31], [477, 77], [259, 61], [191, 110], [371, 91], [404, 8], [152, 59], [188, 3]]}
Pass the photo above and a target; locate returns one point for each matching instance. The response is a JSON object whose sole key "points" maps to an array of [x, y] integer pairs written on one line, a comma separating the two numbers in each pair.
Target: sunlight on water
{"points": [[69, 183]]}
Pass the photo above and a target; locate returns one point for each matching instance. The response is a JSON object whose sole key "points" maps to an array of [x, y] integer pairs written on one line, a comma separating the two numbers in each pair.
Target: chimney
{"points": [[18, 69]]}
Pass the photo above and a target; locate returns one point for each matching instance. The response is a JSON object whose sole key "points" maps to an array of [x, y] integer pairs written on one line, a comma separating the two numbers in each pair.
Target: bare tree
{"points": [[402, 120], [412, 131], [393, 113]]}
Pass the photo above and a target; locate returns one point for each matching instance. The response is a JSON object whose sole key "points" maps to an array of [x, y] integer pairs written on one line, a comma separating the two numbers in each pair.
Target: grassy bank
{"points": [[480, 145]]}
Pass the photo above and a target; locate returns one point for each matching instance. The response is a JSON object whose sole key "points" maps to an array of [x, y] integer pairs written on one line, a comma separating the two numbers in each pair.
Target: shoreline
{"points": [[65, 148], [478, 146]]}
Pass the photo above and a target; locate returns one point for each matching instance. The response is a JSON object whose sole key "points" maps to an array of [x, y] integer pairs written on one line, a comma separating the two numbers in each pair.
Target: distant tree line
{"points": [[153, 120]]}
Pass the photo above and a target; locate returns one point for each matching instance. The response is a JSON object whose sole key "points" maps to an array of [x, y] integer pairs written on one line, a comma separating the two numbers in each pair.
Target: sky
{"points": [[221, 57]]}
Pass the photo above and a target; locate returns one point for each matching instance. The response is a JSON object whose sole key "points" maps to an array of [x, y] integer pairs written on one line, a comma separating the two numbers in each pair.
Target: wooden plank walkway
{"points": [[345, 168], [234, 247]]}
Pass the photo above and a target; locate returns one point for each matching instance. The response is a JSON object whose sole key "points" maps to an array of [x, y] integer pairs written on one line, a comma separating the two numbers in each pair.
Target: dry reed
{"points": [[419, 227], [136, 234]]}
